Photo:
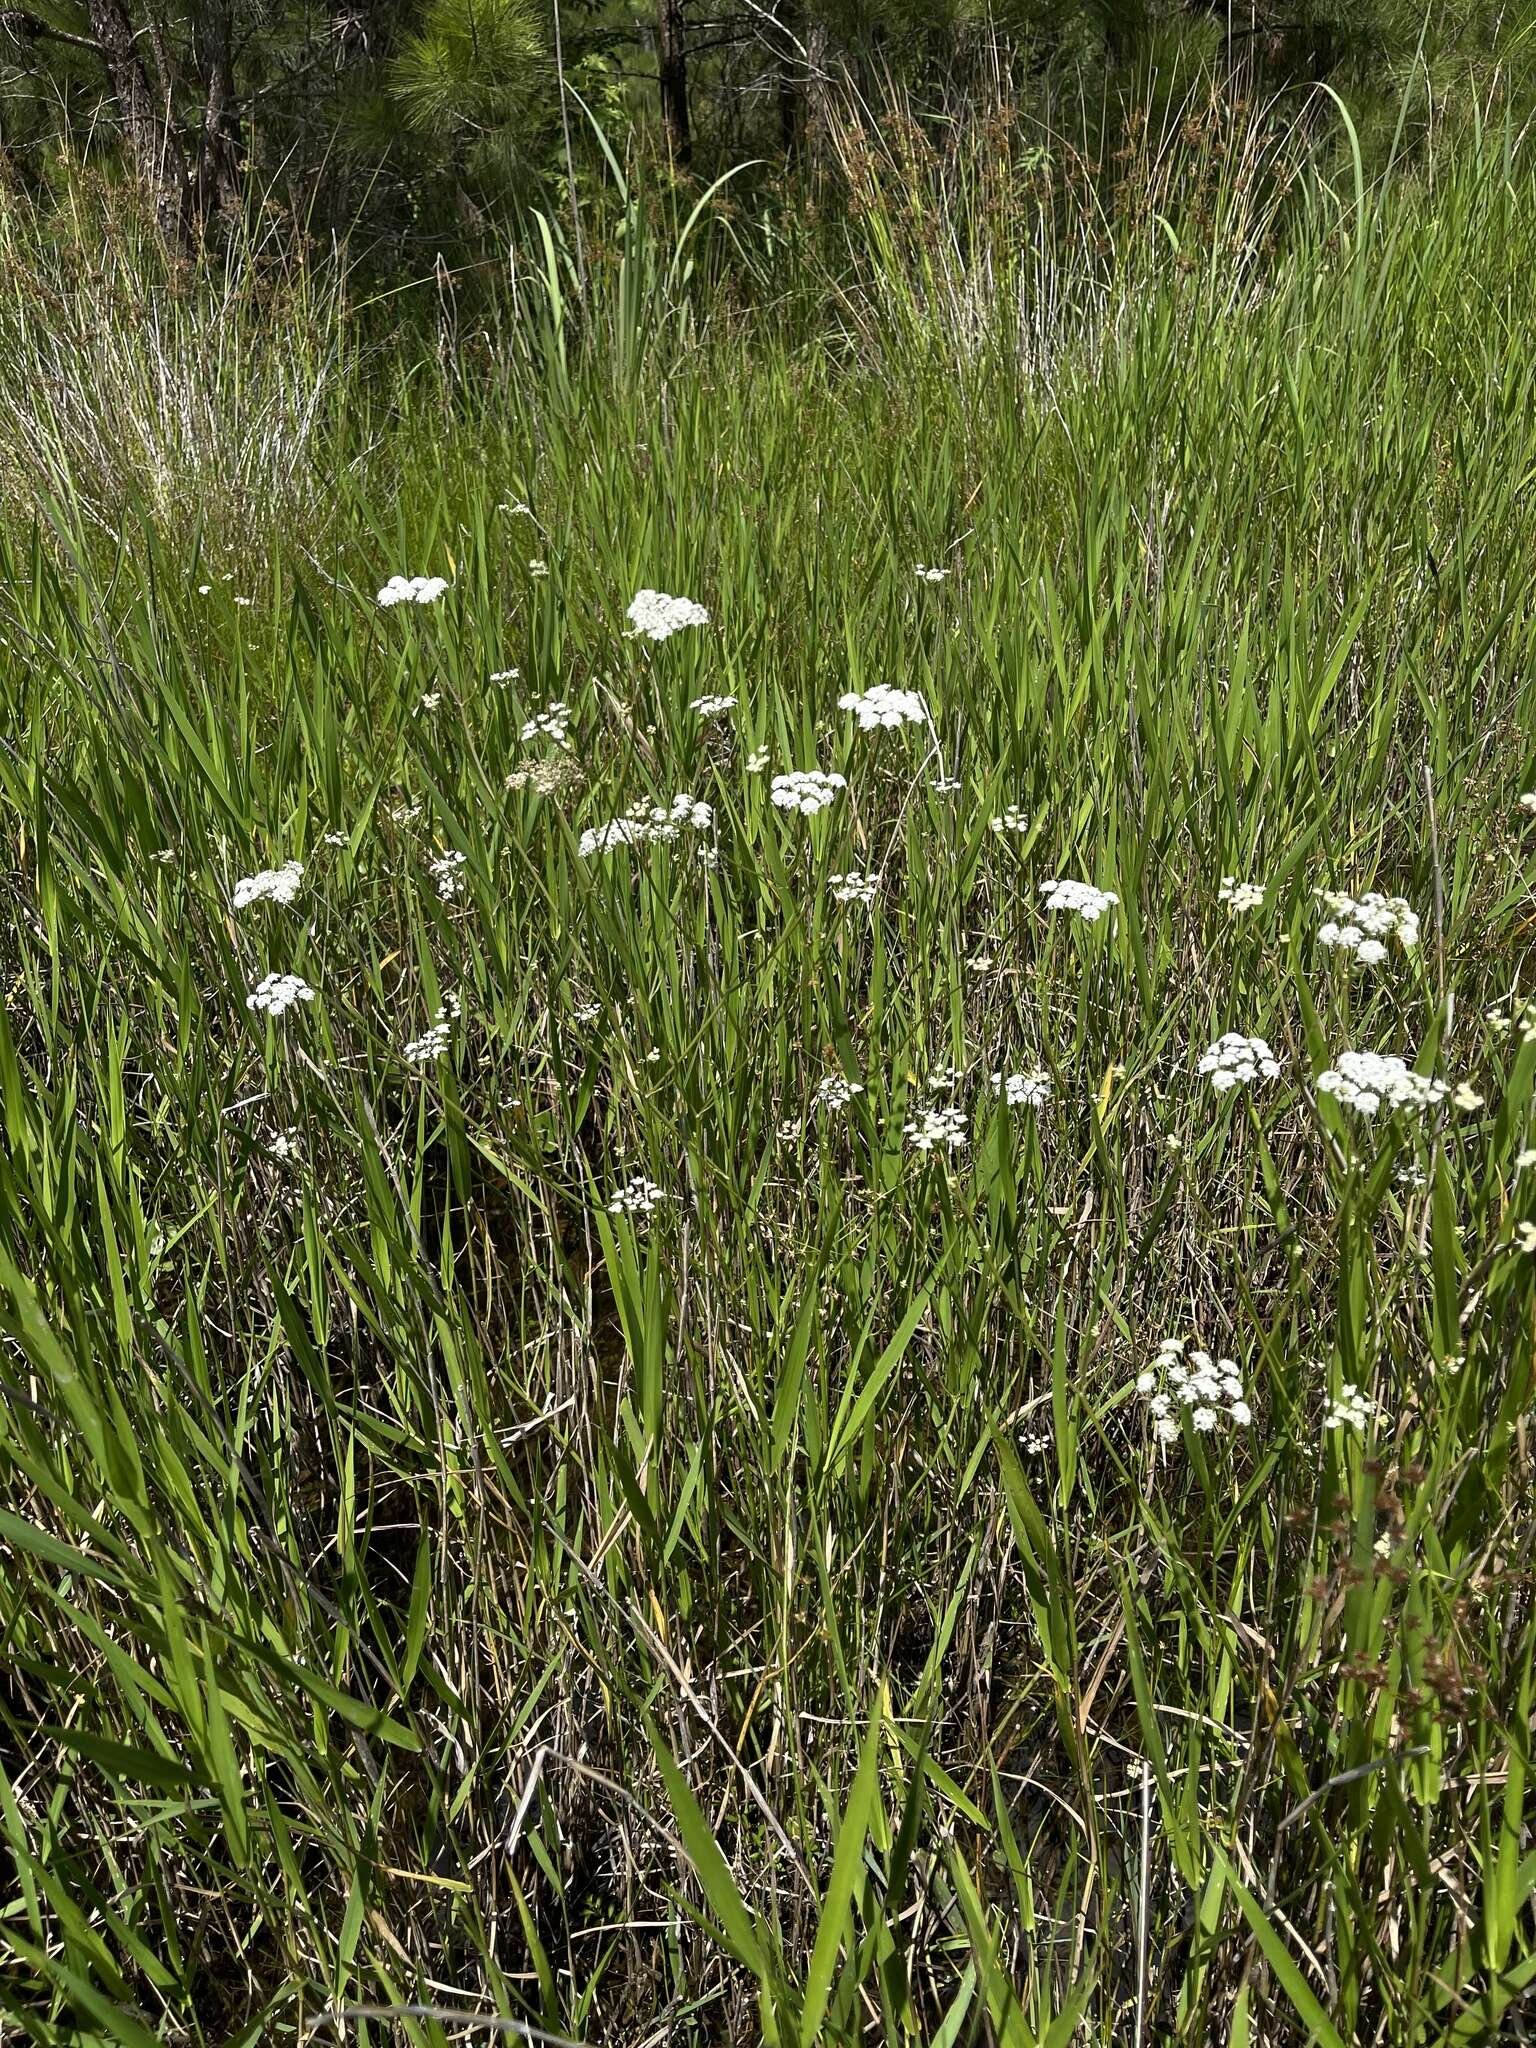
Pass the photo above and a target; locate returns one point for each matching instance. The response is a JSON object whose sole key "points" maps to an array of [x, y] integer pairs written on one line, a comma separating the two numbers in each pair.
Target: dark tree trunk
{"points": [[157, 155], [221, 144], [672, 63]]}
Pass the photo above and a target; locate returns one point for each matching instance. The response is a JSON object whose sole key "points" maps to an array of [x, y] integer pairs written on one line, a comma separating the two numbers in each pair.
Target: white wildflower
{"points": [[945, 1080], [538, 567], [1240, 896], [412, 590], [806, 790], [637, 1197], [945, 785], [1233, 1061], [1210, 1389], [1466, 1098], [1352, 1409], [271, 885], [712, 707], [932, 1128], [1369, 1081], [1361, 926], [433, 1042], [855, 887], [552, 723], [503, 676], [1525, 1237], [1023, 1091], [1528, 802], [1010, 819], [883, 706], [285, 1146], [445, 872], [275, 993], [660, 823], [930, 574], [1088, 902], [655, 616], [430, 701], [836, 1091]]}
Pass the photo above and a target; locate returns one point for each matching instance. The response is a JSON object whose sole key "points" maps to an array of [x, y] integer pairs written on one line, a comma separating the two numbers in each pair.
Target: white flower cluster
{"points": [[433, 1042], [806, 790], [1023, 1091], [285, 1146], [272, 885], [855, 886], [932, 1128], [1204, 1385], [1233, 1061], [836, 1091], [1519, 1014], [552, 723], [275, 993], [637, 1197], [1010, 819], [445, 872], [756, 761], [655, 616], [412, 590], [1528, 802], [503, 676], [1240, 896], [945, 1080], [1352, 1410], [660, 822], [712, 707], [882, 705], [1089, 903], [1362, 926], [1369, 1081], [946, 785], [929, 574]]}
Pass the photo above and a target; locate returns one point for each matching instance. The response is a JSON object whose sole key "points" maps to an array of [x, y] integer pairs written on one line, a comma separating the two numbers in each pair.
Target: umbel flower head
{"points": [[836, 1091], [659, 823], [1361, 926], [655, 616], [412, 590], [933, 1130], [1370, 1081], [1088, 902], [855, 886], [552, 723], [271, 885], [1210, 1389], [883, 706], [275, 993], [1233, 1061], [806, 790], [637, 1197], [1023, 1091], [1240, 896], [712, 707]]}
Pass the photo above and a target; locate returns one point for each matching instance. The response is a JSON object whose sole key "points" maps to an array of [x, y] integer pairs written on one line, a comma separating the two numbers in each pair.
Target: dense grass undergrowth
{"points": [[531, 1504]]}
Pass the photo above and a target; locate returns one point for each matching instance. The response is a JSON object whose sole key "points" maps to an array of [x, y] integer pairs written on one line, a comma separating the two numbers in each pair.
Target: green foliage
{"points": [[431, 1599], [472, 69]]}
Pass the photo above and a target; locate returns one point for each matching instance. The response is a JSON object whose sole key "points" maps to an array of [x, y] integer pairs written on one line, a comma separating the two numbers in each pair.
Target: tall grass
{"points": [[435, 1604]]}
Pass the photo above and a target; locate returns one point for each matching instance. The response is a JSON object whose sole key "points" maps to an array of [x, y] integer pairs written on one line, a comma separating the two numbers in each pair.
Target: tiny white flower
{"points": [[1010, 819], [271, 885], [930, 574], [1234, 1061], [1360, 926], [1525, 1160], [836, 1091], [883, 706], [445, 872], [1023, 1091], [538, 567], [854, 887], [1525, 1237], [806, 790], [932, 1128], [275, 993], [1083, 898], [637, 1197], [412, 590], [756, 761], [1363, 1081], [503, 676], [1352, 1410], [655, 616], [1528, 802], [430, 701], [945, 785], [1240, 896], [1466, 1098], [552, 723], [712, 707]]}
